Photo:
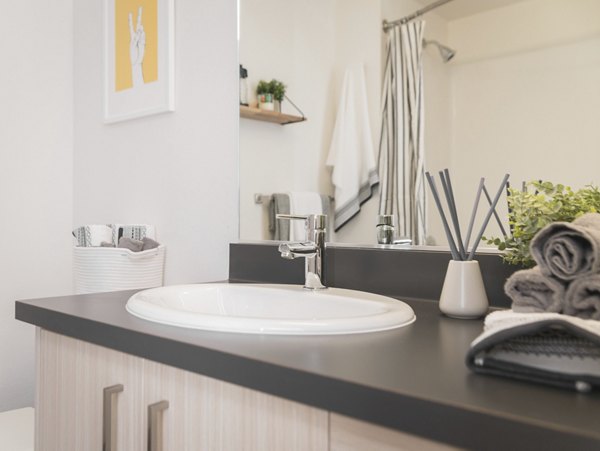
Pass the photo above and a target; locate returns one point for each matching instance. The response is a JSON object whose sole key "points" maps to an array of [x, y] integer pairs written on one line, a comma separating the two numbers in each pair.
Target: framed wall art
{"points": [[138, 58]]}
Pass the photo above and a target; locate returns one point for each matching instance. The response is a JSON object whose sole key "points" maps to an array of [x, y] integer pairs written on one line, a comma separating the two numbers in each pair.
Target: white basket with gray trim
{"points": [[101, 269]]}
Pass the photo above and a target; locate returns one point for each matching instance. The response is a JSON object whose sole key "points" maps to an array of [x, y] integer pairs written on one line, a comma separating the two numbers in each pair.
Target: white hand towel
{"points": [[92, 235], [303, 203], [351, 154]]}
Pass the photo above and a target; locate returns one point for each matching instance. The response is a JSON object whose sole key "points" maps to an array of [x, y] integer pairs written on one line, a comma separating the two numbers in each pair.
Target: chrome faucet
{"points": [[312, 249]]}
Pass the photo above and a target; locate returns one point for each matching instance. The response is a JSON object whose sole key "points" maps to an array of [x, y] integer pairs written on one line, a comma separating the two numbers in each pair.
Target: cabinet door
{"points": [[203, 413], [56, 401], [349, 434], [208, 414], [71, 377]]}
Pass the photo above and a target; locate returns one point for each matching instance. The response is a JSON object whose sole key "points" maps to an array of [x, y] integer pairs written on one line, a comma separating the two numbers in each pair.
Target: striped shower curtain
{"points": [[401, 151]]}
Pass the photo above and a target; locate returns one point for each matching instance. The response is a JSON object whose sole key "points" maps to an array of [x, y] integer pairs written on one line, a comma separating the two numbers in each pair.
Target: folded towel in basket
{"points": [[149, 243], [583, 297], [547, 348], [131, 244], [531, 292], [569, 250], [92, 235], [133, 231]]}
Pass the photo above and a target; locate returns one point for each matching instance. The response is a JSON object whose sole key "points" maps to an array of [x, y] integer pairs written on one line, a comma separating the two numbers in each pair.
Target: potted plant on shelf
{"points": [[270, 94], [278, 90], [265, 96]]}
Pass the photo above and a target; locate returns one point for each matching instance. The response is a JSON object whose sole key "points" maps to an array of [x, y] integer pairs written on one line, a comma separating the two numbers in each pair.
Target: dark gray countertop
{"points": [[413, 379]]}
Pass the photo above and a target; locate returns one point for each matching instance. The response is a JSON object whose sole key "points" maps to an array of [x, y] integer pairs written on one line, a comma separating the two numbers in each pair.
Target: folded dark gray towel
{"points": [[131, 244], [583, 297], [279, 204], [569, 250], [531, 292], [149, 243]]}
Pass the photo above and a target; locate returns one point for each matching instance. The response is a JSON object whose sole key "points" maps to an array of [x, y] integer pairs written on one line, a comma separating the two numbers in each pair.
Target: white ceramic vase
{"points": [[267, 106], [463, 293]]}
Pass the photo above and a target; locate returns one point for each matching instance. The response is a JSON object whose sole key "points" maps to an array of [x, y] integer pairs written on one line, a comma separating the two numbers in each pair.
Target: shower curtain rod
{"points": [[387, 25]]}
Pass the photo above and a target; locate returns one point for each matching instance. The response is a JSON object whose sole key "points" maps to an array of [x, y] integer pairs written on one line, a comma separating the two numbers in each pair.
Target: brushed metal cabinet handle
{"points": [[155, 429], [109, 418]]}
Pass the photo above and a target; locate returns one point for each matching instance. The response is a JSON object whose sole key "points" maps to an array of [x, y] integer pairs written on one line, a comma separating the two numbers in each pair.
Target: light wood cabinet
{"points": [[71, 377], [203, 413], [349, 434]]}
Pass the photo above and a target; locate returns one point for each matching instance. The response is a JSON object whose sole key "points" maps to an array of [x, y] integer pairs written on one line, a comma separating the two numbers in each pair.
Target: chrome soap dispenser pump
{"points": [[385, 229]]}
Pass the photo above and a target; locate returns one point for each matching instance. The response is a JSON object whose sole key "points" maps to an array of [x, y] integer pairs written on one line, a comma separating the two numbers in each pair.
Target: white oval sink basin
{"points": [[270, 309]]}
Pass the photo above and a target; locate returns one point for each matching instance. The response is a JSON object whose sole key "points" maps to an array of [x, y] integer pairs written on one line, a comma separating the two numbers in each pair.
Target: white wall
{"points": [[307, 45], [293, 42], [176, 170], [35, 176], [526, 96]]}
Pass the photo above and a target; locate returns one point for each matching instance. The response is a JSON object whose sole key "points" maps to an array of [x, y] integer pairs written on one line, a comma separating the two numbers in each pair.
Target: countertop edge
{"points": [[450, 424]]}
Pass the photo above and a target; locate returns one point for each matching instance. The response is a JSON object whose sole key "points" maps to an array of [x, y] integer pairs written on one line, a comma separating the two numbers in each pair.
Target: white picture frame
{"points": [[138, 58]]}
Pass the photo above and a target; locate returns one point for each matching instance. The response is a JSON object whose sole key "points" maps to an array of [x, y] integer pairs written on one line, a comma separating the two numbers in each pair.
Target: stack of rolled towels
{"points": [[135, 237], [567, 276]]}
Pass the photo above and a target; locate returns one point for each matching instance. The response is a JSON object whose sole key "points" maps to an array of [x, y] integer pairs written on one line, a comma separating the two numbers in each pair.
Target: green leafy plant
{"points": [[274, 87], [537, 206]]}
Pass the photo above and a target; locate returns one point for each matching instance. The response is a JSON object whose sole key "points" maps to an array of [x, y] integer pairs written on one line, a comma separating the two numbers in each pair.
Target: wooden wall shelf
{"points": [[269, 116]]}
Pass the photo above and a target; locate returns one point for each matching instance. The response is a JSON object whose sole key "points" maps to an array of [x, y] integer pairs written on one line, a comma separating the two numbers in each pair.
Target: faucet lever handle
{"points": [[315, 222]]}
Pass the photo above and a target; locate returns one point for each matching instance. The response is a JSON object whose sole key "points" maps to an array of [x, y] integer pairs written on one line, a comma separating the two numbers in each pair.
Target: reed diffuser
{"points": [[463, 294]]}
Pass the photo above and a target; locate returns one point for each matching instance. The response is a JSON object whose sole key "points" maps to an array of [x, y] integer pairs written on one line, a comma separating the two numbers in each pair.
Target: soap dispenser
{"points": [[385, 229]]}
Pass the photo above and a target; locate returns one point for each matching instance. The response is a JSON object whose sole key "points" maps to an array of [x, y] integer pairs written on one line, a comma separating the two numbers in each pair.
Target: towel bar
{"points": [[265, 198]]}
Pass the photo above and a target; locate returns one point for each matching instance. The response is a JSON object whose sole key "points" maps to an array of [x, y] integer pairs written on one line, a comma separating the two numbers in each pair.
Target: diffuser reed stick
{"points": [[453, 250], [447, 185], [461, 252], [488, 216], [489, 199], [474, 211]]}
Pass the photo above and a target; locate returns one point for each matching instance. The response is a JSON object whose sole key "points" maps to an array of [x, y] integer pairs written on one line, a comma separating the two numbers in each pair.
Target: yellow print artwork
{"points": [[136, 43]]}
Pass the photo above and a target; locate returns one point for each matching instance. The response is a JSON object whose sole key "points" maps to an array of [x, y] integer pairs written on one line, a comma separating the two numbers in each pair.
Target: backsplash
{"points": [[408, 273]]}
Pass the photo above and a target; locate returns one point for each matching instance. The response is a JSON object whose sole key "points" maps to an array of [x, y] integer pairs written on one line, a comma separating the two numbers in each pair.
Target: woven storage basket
{"points": [[98, 269]]}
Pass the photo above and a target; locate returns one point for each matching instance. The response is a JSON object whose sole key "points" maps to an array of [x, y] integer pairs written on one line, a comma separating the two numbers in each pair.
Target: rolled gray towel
{"points": [[533, 292], [131, 244], [106, 244], [583, 298], [569, 250]]}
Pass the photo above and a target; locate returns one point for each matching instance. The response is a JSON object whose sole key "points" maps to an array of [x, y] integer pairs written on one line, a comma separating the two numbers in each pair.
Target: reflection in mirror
{"points": [[521, 95]]}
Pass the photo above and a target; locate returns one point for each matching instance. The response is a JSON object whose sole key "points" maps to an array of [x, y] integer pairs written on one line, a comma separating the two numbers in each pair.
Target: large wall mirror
{"points": [[521, 95]]}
